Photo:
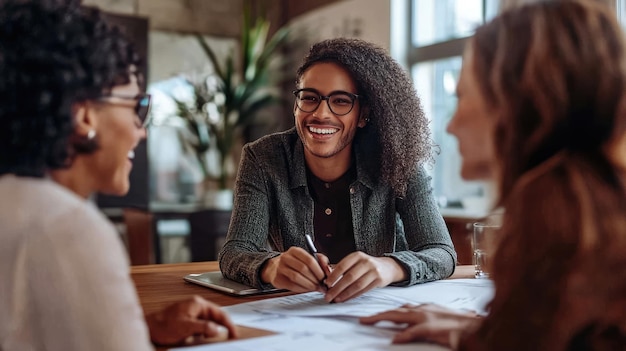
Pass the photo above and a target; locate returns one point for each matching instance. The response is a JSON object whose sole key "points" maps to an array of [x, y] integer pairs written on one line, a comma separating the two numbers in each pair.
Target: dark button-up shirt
{"points": [[332, 218]]}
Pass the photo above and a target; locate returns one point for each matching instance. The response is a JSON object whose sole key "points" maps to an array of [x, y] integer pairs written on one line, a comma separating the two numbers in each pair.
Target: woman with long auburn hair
{"points": [[542, 112]]}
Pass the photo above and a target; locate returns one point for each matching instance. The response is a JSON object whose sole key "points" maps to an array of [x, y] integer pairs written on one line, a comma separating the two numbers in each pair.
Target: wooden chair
{"points": [[139, 236]]}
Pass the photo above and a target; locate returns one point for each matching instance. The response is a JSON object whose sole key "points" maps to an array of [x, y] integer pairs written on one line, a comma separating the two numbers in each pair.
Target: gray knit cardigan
{"points": [[273, 210]]}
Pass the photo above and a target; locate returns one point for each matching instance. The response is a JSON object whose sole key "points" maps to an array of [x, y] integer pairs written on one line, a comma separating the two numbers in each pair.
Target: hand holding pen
{"points": [[296, 270], [323, 265]]}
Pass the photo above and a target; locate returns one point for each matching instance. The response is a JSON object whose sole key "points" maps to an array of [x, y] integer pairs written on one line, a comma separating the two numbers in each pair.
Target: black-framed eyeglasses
{"points": [[142, 108], [339, 102]]}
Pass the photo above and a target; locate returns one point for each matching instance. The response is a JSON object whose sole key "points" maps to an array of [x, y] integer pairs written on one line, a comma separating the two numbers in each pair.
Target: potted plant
{"points": [[227, 100]]}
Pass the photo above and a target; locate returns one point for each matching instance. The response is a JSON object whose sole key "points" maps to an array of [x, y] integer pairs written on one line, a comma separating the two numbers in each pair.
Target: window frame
{"points": [[412, 55], [620, 10], [404, 49]]}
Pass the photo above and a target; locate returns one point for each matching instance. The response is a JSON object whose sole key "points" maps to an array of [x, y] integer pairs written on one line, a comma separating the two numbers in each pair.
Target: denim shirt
{"points": [[273, 210]]}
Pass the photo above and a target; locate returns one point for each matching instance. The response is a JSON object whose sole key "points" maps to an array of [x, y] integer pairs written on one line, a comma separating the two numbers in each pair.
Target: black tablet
{"points": [[215, 280]]}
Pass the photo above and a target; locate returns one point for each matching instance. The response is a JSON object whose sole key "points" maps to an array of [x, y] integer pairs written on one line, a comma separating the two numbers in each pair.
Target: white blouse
{"points": [[64, 274]]}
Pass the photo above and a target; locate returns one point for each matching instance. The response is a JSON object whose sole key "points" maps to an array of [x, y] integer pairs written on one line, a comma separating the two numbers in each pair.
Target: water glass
{"points": [[483, 245]]}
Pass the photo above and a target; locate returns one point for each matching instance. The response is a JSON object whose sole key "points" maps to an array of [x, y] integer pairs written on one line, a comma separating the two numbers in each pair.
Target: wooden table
{"points": [[162, 284]]}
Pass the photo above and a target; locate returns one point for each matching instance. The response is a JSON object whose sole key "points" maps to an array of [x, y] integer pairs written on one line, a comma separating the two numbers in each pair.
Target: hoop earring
{"points": [[91, 134]]}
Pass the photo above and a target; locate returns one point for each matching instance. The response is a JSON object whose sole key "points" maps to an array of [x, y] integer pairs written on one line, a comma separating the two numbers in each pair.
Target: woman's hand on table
{"points": [[428, 322], [190, 318], [296, 270], [358, 273]]}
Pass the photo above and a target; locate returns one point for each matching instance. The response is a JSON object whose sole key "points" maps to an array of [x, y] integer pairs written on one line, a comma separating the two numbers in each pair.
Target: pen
{"points": [[313, 251]]}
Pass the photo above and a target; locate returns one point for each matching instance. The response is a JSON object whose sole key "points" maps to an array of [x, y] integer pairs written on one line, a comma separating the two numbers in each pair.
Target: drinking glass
{"points": [[483, 244]]}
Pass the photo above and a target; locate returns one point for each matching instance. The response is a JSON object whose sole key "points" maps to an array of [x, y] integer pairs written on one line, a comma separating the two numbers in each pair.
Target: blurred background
{"points": [[221, 74]]}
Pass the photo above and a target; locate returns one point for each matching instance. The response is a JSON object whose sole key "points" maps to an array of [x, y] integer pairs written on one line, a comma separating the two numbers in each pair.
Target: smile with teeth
{"points": [[323, 130]]}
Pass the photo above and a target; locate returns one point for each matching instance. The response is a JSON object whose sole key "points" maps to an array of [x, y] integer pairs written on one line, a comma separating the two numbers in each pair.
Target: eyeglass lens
{"points": [[142, 109], [339, 103]]}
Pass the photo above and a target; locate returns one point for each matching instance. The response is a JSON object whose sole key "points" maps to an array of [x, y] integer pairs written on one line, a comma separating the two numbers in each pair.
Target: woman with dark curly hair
{"points": [[348, 178], [543, 89], [71, 113]]}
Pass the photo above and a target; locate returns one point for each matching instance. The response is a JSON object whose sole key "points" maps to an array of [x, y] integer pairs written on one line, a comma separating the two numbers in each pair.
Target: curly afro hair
{"points": [[52, 55], [397, 138]]}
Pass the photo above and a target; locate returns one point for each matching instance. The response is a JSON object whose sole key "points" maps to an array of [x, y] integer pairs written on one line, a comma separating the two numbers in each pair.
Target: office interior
{"points": [[169, 214]]}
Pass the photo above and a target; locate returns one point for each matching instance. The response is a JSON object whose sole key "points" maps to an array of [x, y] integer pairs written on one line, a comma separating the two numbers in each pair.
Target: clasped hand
{"points": [[299, 271]]}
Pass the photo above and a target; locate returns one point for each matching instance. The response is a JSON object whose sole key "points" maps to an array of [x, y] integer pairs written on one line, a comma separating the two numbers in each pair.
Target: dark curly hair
{"points": [[397, 138], [52, 55]]}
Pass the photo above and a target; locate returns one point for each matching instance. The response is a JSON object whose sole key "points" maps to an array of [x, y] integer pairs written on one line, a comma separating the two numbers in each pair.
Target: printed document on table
{"points": [[307, 322], [313, 305], [316, 334], [460, 294]]}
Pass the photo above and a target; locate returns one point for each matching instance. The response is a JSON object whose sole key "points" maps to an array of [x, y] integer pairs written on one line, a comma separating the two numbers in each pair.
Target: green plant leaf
{"points": [[278, 39], [255, 49], [246, 89], [210, 54]]}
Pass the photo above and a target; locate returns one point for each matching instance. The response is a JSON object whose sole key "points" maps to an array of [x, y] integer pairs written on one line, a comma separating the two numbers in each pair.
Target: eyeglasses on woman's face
{"points": [[339, 102], [142, 107]]}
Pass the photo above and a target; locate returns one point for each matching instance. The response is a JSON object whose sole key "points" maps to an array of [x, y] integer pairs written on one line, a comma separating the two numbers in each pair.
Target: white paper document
{"points": [[313, 305], [311, 342], [308, 322], [317, 334], [458, 294], [461, 294]]}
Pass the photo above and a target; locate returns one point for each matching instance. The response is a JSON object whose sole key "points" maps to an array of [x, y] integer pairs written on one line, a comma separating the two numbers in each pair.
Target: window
{"points": [[620, 7], [436, 21], [429, 37], [436, 84], [438, 30]]}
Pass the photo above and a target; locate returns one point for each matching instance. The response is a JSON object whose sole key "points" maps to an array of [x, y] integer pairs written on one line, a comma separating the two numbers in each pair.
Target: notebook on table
{"points": [[215, 280]]}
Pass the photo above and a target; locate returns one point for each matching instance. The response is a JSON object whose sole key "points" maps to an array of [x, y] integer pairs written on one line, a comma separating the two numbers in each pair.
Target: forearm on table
{"points": [[245, 248], [425, 265], [244, 266], [396, 269]]}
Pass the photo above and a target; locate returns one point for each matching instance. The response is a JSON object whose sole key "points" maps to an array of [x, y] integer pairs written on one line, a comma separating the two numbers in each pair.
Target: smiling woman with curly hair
{"points": [[348, 179], [396, 136]]}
